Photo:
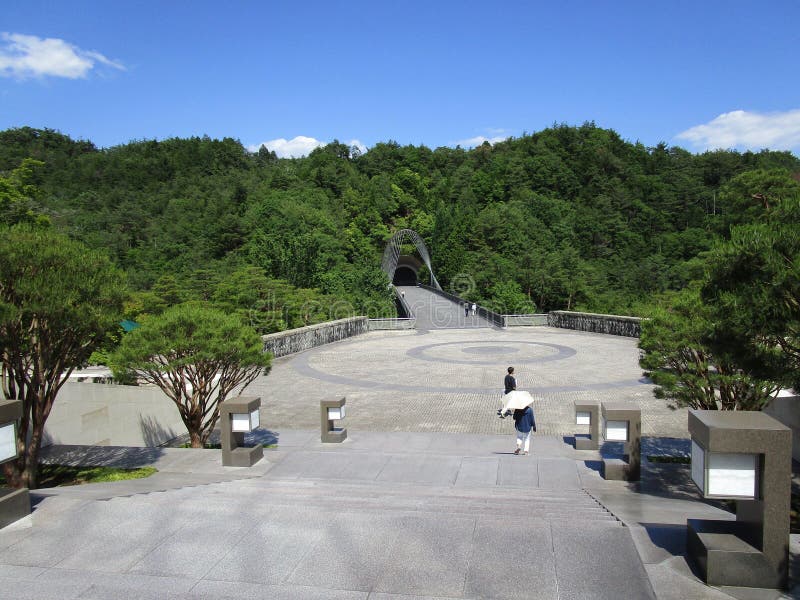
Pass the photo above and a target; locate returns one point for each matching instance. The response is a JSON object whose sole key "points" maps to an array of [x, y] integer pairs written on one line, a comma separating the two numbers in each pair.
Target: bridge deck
{"points": [[437, 312]]}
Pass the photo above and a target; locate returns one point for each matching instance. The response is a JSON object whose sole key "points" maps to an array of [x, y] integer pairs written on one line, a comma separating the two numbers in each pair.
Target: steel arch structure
{"points": [[392, 254]]}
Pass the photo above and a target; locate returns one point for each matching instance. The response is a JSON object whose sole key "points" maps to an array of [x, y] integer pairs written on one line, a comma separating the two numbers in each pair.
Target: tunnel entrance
{"points": [[405, 276], [397, 266]]}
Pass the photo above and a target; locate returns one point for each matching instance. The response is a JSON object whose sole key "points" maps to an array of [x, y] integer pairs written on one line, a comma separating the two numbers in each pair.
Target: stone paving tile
{"points": [[450, 381], [512, 566], [430, 557]]}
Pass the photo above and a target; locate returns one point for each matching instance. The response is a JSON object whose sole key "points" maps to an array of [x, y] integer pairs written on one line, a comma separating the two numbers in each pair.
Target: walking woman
{"points": [[524, 423]]}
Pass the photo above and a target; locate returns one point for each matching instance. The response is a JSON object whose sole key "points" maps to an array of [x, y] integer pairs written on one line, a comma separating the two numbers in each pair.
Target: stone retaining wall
{"points": [[609, 324], [525, 320], [378, 324], [100, 414], [304, 338]]}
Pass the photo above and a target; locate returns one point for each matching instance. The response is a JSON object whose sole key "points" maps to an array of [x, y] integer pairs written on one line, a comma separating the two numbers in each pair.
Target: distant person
{"points": [[509, 382], [524, 423], [474, 309], [466, 309], [509, 385]]}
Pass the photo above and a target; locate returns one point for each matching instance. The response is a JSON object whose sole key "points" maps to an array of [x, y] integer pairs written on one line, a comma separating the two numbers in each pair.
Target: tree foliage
{"points": [[677, 356], [753, 286], [198, 356], [58, 302], [576, 217]]}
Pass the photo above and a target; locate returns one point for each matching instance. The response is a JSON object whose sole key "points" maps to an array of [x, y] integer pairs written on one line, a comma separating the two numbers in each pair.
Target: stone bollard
{"points": [[238, 416], [588, 413], [744, 456], [623, 423], [330, 411], [14, 504]]}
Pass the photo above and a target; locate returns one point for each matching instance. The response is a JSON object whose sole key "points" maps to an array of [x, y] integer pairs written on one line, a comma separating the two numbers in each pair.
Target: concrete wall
{"points": [[112, 415], [786, 409], [377, 324], [610, 324], [525, 320], [304, 338]]}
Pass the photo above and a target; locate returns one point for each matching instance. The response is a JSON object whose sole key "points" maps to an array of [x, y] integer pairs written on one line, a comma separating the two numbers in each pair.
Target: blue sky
{"points": [[697, 74]]}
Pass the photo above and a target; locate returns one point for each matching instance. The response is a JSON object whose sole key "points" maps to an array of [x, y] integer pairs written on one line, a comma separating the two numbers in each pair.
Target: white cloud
{"points": [[24, 56], [478, 140], [298, 146], [747, 130], [358, 144]]}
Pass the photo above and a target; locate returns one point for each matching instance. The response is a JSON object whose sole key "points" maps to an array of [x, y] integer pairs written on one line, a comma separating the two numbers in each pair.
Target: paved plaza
{"points": [[423, 501], [450, 380]]}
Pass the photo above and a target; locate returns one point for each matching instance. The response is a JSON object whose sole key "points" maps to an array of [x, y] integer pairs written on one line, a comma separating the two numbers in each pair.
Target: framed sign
{"points": [[725, 474], [8, 442], [616, 431]]}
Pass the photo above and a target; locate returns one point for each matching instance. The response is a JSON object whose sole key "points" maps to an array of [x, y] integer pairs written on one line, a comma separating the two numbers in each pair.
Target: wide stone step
{"points": [[327, 496]]}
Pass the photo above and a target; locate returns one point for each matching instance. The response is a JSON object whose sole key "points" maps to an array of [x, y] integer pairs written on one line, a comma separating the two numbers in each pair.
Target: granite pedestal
{"points": [[752, 551], [330, 433], [14, 503], [593, 411], [234, 452], [626, 467]]}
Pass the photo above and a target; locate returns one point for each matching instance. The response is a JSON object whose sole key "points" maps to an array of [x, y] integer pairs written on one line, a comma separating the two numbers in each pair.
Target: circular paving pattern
{"points": [[451, 381], [525, 352], [492, 350], [457, 362]]}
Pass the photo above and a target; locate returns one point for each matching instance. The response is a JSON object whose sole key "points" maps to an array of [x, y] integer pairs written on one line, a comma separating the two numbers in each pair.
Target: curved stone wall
{"points": [[304, 338], [609, 324]]}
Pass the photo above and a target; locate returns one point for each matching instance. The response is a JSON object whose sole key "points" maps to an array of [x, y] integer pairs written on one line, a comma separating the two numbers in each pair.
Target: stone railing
{"points": [[396, 324], [304, 338], [525, 320], [609, 324]]}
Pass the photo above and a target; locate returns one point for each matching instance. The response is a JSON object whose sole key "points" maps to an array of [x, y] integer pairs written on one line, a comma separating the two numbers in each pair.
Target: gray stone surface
{"points": [[387, 515], [423, 500], [588, 568], [439, 381]]}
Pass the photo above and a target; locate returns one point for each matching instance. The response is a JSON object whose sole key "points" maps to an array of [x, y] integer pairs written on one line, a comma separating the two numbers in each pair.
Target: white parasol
{"points": [[516, 399]]}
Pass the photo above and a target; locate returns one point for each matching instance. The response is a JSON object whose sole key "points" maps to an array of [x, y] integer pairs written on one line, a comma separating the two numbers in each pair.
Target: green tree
{"points": [[508, 298], [198, 356], [677, 357], [18, 194], [753, 287], [60, 300]]}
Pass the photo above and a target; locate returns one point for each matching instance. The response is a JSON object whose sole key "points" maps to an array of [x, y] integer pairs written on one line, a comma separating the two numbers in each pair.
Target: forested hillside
{"points": [[566, 218]]}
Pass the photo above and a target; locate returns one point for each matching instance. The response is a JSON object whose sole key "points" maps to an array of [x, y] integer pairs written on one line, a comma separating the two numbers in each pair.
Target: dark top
{"points": [[510, 383], [523, 419]]}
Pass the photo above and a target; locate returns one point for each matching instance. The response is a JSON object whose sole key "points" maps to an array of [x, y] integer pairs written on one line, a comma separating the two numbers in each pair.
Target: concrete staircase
{"points": [[341, 497], [350, 521]]}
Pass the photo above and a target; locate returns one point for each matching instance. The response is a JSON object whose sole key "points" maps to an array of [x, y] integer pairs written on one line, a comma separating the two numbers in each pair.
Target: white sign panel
{"points": [[255, 420], [732, 474], [8, 442], [241, 422], [336, 413], [583, 418], [617, 431], [698, 467]]}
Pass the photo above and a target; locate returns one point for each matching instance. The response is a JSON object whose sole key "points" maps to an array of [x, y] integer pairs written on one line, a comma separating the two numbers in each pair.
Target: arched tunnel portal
{"points": [[403, 269], [407, 270]]}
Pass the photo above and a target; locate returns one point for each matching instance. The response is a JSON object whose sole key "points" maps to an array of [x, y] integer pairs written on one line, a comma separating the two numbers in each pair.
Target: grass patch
{"points": [[675, 460], [62, 475]]}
